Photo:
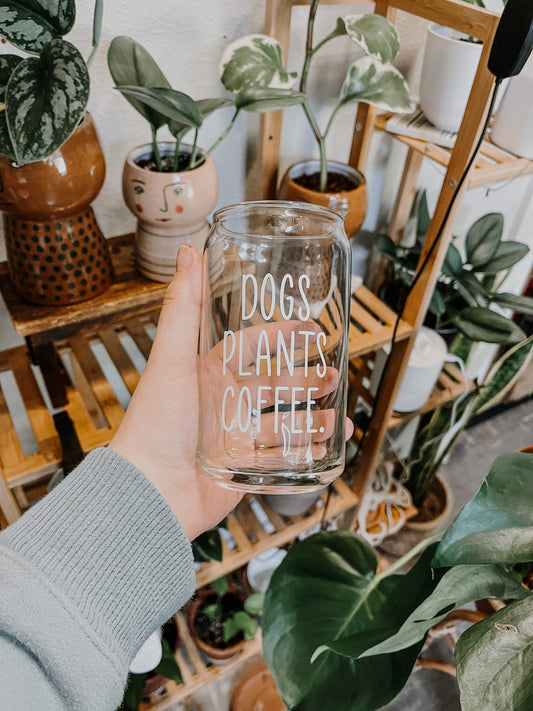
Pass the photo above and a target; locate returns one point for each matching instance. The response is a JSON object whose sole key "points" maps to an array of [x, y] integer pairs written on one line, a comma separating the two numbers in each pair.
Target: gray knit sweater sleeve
{"points": [[85, 576]]}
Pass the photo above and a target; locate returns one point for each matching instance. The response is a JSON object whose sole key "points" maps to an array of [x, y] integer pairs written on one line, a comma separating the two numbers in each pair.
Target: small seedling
{"points": [[241, 621]]}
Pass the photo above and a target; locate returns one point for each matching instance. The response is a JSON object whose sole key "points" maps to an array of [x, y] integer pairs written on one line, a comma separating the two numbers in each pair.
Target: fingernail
{"points": [[184, 258]]}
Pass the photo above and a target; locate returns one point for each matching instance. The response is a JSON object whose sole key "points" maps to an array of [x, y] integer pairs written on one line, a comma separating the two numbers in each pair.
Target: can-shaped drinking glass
{"points": [[273, 353]]}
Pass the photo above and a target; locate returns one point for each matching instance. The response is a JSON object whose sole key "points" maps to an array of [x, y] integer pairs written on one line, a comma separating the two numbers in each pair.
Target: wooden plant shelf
{"points": [[255, 534], [195, 669], [372, 323], [492, 164]]}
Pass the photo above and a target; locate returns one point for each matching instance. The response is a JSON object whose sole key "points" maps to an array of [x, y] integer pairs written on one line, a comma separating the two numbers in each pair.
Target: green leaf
{"points": [[458, 586], [326, 589], [506, 255], [220, 586], [470, 288], [246, 623], [453, 264], [381, 86], [45, 100], [483, 238], [386, 246], [437, 305], [213, 611], [6, 147], [131, 65], [208, 546], [168, 666], [207, 106], [518, 304], [31, 24], [504, 374], [423, 217], [254, 603], [173, 105], [375, 35], [254, 61], [269, 99], [480, 324], [8, 62], [230, 629], [134, 692], [495, 658], [496, 526]]}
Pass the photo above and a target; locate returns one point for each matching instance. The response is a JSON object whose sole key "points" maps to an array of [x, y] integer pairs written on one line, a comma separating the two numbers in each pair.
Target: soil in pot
{"points": [[434, 509], [167, 163], [337, 182], [212, 631]]}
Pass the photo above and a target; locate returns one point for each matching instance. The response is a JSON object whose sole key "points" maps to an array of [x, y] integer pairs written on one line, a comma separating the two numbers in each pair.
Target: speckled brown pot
{"points": [[56, 251]]}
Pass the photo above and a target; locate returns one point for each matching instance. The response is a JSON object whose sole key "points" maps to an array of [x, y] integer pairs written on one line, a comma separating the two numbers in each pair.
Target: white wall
{"points": [[187, 39]]}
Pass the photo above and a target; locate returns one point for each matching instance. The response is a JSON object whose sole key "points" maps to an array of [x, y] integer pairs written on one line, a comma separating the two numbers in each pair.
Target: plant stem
{"points": [[155, 150], [97, 29], [222, 136], [309, 44], [422, 545], [333, 114], [194, 148], [175, 163], [321, 145]]}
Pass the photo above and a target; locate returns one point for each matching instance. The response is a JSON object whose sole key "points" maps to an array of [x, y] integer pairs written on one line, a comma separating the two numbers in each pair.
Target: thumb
{"points": [[176, 339]]}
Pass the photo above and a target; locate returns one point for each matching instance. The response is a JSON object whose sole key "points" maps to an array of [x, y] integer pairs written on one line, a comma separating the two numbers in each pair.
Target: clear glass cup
{"points": [[273, 358]]}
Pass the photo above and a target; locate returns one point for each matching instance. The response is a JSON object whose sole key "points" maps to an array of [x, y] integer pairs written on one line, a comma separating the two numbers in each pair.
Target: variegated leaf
{"points": [[254, 61], [8, 62], [380, 85], [131, 65], [376, 36], [6, 149], [30, 24], [45, 100]]}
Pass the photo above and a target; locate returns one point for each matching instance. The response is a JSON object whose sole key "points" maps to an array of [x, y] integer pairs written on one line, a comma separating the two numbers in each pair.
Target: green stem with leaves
{"points": [[155, 149], [97, 29], [175, 162], [222, 136]]}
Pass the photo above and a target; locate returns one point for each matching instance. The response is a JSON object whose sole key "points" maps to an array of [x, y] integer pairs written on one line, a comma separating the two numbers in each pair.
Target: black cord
{"points": [[425, 262]]}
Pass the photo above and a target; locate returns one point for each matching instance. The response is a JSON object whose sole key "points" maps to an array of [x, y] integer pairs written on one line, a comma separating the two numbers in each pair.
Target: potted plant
{"points": [[153, 665], [369, 628], [221, 618], [249, 62], [171, 186], [51, 161]]}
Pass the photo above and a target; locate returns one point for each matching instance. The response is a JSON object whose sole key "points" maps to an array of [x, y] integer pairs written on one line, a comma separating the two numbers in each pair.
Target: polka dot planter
{"points": [[56, 251]]}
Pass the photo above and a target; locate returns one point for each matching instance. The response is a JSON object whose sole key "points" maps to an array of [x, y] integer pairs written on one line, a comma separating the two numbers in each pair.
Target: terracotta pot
{"points": [[56, 252], [257, 692], [351, 204], [435, 510], [171, 209], [216, 654]]}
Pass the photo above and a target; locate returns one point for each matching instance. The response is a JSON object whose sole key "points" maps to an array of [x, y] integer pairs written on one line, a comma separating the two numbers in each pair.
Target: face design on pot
{"points": [[159, 203]]}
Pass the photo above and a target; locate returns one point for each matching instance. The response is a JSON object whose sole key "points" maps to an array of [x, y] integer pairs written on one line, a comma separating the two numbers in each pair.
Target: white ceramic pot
{"points": [[448, 70], [423, 369], [513, 126], [261, 568], [292, 504], [171, 209], [149, 655]]}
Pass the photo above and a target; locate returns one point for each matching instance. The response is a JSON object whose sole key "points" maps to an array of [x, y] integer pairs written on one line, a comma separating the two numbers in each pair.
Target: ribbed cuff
{"points": [[108, 541]]}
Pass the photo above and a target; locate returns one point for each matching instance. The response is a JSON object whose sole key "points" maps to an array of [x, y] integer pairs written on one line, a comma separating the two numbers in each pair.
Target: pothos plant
{"points": [[241, 621], [368, 628], [44, 94], [140, 80], [255, 62]]}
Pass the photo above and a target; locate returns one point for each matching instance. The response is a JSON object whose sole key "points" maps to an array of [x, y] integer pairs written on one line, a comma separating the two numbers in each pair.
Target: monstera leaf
{"points": [[376, 36], [45, 99], [31, 24], [326, 590], [254, 61], [380, 85]]}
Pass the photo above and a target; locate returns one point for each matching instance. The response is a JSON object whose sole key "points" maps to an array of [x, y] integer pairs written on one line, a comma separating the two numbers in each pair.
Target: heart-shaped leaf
{"points": [[376, 36], [269, 99], [131, 65], [480, 324], [504, 374], [483, 238], [497, 524], [30, 24], [507, 253], [173, 105], [45, 100], [254, 61], [326, 589], [8, 62], [495, 659], [380, 85]]}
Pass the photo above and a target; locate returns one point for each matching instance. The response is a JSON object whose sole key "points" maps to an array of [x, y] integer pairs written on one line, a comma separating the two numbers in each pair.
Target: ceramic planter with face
{"points": [[171, 209], [349, 202], [56, 252]]}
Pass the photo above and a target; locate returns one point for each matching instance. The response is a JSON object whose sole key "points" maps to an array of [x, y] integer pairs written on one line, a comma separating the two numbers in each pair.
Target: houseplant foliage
{"points": [[255, 62], [368, 628], [45, 94], [241, 621], [138, 77]]}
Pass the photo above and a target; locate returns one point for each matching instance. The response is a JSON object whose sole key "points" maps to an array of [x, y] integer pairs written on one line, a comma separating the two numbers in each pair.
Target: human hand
{"points": [[159, 432]]}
